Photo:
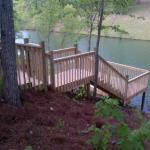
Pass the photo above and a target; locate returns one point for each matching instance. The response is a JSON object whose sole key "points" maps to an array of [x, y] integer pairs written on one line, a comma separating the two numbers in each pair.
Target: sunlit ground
{"points": [[136, 23]]}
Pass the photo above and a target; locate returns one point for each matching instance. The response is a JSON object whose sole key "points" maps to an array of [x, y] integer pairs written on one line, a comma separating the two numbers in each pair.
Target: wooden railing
{"points": [[73, 71], [111, 79], [137, 85], [137, 79], [129, 71], [30, 65], [66, 69], [54, 54], [63, 52]]}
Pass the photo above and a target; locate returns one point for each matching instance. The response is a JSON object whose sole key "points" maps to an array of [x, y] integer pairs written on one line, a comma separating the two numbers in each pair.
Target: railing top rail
{"points": [[74, 56], [29, 45], [136, 78], [61, 50], [114, 69], [129, 67]]}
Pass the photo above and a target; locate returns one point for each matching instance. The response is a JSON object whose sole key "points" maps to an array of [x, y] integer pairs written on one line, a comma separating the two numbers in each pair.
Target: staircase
{"points": [[66, 69], [121, 81]]}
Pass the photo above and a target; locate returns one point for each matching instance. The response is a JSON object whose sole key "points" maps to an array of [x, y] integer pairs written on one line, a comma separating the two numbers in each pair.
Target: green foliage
{"points": [[100, 138], [134, 139], [28, 148], [49, 15], [69, 16], [138, 115], [109, 107], [80, 93], [72, 24], [122, 6], [126, 139]]}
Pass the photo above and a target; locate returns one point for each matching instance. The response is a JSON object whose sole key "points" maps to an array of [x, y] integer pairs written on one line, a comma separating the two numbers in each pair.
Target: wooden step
{"points": [[109, 89]]}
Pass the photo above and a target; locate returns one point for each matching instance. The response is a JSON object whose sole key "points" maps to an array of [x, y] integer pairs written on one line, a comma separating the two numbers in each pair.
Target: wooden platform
{"points": [[67, 69]]}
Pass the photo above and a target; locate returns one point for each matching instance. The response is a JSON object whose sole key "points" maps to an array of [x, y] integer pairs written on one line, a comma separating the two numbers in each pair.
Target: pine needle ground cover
{"points": [[53, 121]]}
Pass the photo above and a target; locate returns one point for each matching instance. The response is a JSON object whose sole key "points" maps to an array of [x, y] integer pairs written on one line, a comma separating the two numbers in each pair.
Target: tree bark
{"points": [[100, 21], [91, 30], [90, 36], [10, 91], [0, 14]]}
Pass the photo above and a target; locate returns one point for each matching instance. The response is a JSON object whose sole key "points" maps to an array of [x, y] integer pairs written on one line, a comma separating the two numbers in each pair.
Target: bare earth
{"points": [[136, 23]]}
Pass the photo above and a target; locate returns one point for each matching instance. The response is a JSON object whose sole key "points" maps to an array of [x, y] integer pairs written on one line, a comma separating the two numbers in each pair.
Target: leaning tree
{"points": [[10, 90]]}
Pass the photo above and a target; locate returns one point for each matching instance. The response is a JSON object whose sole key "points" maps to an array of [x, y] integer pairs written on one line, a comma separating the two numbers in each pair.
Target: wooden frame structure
{"points": [[66, 69]]}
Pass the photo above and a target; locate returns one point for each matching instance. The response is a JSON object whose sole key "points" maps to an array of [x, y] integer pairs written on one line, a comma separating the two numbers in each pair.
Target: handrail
{"points": [[29, 45], [113, 68], [136, 78], [60, 50], [126, 66], [137, 85], [73, 71], [73, 56]]}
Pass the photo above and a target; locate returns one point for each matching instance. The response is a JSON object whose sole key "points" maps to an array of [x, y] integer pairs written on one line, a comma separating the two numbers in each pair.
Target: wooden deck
{"points": [[67, 69]]}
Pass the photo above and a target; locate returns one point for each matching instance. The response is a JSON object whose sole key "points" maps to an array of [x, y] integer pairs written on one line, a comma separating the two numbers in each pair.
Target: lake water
{"points": [[131, 52]]}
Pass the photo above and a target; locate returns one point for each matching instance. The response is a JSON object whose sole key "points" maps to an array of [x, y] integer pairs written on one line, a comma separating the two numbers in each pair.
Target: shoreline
{"points": [[93, 34]]}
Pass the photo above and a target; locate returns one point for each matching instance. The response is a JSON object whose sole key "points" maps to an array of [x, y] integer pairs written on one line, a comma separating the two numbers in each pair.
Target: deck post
{"points": [[95, 74], [76, 48], [88, 90], [44, 66], [126, 88], [26, 40], [143, 101], [52, 71], [76, 52]]}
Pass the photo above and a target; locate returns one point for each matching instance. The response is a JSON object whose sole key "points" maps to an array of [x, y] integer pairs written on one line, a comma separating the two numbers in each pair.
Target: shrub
{"points": [[80, 93], [125, 138], [28, 148]]}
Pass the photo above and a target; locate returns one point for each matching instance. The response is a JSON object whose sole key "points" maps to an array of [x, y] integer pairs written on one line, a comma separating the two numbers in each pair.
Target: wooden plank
{"points": [[52, 72], [126, 66], [44, 66], [136, 78], [73, 56], [110, 66]]}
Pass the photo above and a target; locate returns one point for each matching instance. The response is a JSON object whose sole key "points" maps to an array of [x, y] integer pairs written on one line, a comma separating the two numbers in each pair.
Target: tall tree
{"points": [[10, 91], [100, 20]]}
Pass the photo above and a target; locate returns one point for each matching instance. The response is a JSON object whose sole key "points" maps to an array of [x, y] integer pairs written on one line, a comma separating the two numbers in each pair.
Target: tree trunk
{"points": [[100, 20], [90, 36], [0, 15], [10, 91], [91, 30]]}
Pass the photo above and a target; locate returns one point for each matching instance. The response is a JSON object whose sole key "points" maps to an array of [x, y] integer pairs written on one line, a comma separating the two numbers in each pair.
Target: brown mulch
{"points": [[46, 122], [51, 121]]}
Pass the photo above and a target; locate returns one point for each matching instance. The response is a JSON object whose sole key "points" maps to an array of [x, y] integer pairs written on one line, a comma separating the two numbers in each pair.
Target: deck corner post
{"points": [[143, 101], [126, 86], [42, 43], [76, 52], [26, 40], [95, 73], [76, 47], [94, 50], [52, 71]]}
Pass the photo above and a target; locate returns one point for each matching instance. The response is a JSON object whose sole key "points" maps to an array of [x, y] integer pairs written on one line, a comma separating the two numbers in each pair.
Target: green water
{"points": [[130, 52]]}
